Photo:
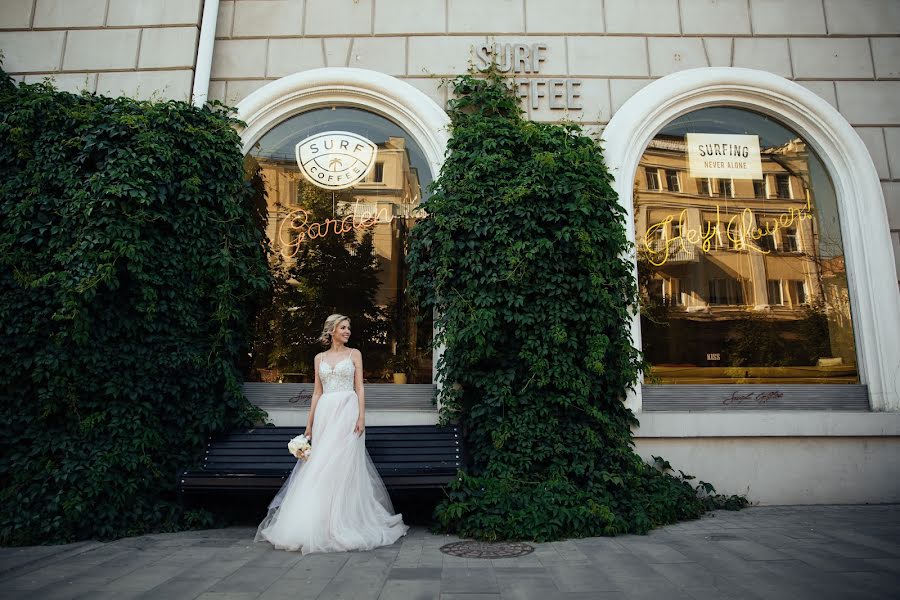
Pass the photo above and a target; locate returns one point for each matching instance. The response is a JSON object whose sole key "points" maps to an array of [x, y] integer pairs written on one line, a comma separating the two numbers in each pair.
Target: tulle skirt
{"points": [[335, 501]]}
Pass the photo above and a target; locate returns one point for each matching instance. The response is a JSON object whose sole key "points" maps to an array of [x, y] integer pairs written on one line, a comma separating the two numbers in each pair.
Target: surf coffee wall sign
{"points": [[335, 160], [556, 94]]}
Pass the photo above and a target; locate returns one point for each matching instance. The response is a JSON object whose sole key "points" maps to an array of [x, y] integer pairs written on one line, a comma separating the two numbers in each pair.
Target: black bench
{"points": [[257, 460]]}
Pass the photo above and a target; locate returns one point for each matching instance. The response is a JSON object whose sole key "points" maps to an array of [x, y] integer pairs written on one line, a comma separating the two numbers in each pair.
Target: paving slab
{"points": [[760, 553]]}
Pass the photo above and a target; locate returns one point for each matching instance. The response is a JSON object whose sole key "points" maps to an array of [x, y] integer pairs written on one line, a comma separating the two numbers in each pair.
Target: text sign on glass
{"points": [[724, 156], [335, 160]]}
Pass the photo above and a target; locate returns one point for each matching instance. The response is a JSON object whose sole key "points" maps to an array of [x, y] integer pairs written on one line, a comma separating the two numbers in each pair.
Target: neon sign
{"points": [[296, 227], [740, 230]]}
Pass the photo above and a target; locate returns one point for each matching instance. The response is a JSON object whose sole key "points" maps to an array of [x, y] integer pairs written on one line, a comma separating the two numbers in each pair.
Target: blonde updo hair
{"points": [[330, 324]]}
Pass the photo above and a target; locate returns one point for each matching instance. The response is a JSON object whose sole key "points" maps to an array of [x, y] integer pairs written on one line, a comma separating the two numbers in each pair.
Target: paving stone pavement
{"points": [[760, 553]]}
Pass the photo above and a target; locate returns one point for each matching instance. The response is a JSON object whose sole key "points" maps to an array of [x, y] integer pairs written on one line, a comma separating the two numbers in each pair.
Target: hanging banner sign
{"points": [[724, 156], [335, 160]]}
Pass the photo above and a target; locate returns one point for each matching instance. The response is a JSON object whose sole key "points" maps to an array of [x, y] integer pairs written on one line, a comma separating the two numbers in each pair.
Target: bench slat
{"points": [[256, 459]]}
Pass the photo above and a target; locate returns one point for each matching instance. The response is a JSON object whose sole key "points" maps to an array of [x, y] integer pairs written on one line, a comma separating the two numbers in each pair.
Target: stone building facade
{"points": [[827, 70]]}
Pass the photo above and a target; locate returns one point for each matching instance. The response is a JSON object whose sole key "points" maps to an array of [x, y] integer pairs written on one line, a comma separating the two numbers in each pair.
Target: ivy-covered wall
{"points": [[131, 255], [522, 257]]}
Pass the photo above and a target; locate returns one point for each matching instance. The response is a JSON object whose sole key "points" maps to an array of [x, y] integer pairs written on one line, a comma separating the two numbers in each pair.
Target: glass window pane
{"points": [[742, 277], [341, 251]]}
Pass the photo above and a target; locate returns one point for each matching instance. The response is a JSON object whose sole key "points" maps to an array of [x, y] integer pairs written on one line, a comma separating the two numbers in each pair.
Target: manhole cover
{"points": [[487, 549]]}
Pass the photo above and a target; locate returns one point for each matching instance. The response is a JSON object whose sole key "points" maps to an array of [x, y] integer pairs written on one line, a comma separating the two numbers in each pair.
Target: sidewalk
{"points": [[819, 552]]}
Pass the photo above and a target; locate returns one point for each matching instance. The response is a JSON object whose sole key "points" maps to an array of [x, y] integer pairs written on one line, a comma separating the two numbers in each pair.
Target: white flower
{"points": [[300, 447]]}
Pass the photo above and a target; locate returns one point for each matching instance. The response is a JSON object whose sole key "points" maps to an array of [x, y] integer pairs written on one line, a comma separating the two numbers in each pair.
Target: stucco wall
{"points": [[814, 470], [144, 49]]}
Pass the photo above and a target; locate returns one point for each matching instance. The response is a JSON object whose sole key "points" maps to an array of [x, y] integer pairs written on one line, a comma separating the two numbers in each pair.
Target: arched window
{"points": [[355, 264], [740, 258], [847, 206], [338, 248]]}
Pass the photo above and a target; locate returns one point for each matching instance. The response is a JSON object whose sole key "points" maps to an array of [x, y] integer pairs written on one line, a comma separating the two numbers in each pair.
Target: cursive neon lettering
{"points": [[739, 230]]}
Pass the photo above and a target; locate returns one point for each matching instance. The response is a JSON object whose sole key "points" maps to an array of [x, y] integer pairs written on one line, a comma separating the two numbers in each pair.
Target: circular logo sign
{"points": [[335, 160]]}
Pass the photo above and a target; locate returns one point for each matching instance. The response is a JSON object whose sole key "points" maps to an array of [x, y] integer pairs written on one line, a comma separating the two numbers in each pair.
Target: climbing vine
{"points": [[523, 258], [131, 255]]}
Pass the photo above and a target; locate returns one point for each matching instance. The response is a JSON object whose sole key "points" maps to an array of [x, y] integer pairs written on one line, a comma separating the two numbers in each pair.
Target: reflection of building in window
{"points": [[713, 233], [789, 240], [759, 188], [718, 256], [726, 292], [703, 187], [726, 188], [672, 182], [797, 290], [783, 186], [666, 290], [652, 179], [378, 172], [776, 292]]}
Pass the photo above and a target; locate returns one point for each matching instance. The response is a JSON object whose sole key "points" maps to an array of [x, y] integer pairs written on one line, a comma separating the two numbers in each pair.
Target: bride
{"points": [[335, 501]]}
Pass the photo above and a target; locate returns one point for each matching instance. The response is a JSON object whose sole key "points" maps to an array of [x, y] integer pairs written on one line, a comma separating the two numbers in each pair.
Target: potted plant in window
{"points": [[401, 366]]}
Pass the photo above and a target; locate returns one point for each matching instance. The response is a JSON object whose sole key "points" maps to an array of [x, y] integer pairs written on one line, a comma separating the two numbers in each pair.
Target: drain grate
{"points": [[487, 549], [721, 537]]}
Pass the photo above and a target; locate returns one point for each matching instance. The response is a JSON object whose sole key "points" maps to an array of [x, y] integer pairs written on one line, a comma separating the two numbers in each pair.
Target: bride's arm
{"points": [[356, 357], [317, 391]]}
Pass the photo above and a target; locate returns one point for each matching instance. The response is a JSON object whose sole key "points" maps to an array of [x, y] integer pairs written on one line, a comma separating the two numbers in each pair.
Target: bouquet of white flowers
{"points": [[300, 447]]}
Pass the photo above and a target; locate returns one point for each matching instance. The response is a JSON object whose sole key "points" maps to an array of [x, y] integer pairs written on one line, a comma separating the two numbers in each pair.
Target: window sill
{"points": [[767, 424]]}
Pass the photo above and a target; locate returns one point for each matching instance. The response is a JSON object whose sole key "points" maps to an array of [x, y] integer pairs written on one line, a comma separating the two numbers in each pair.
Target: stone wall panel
{"points": [[715, 16], [239, 59], [292, 55], [886, 55], [30, 51], [873, 138], [840, 58], [641, 17], [765, 54], [384, 54], [338, 17], [869, 102], [564, 16], [796, 17], [265, 18], [402, 16], [147, 85], [68, 13], [892, 144], [608, 56], [168, 47], [154, 12], [99, 49], [478, 16], [862, 17], [15, 14], [668, 55]]}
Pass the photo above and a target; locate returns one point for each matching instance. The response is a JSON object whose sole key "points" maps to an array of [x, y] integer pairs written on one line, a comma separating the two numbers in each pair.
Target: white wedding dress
{"points": [[335, 501]]}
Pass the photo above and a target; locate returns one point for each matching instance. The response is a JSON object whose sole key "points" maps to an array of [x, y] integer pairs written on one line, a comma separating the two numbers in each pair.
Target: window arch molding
{"points": [[870, 262], [388, 96]]}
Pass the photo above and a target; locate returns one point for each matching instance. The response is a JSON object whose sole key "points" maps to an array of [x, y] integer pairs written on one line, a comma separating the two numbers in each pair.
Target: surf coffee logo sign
{"points": [[335, 160]]}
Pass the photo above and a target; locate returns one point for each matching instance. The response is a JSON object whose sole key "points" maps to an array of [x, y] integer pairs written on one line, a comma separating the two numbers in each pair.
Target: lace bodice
{"points": [[339, 378]]}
